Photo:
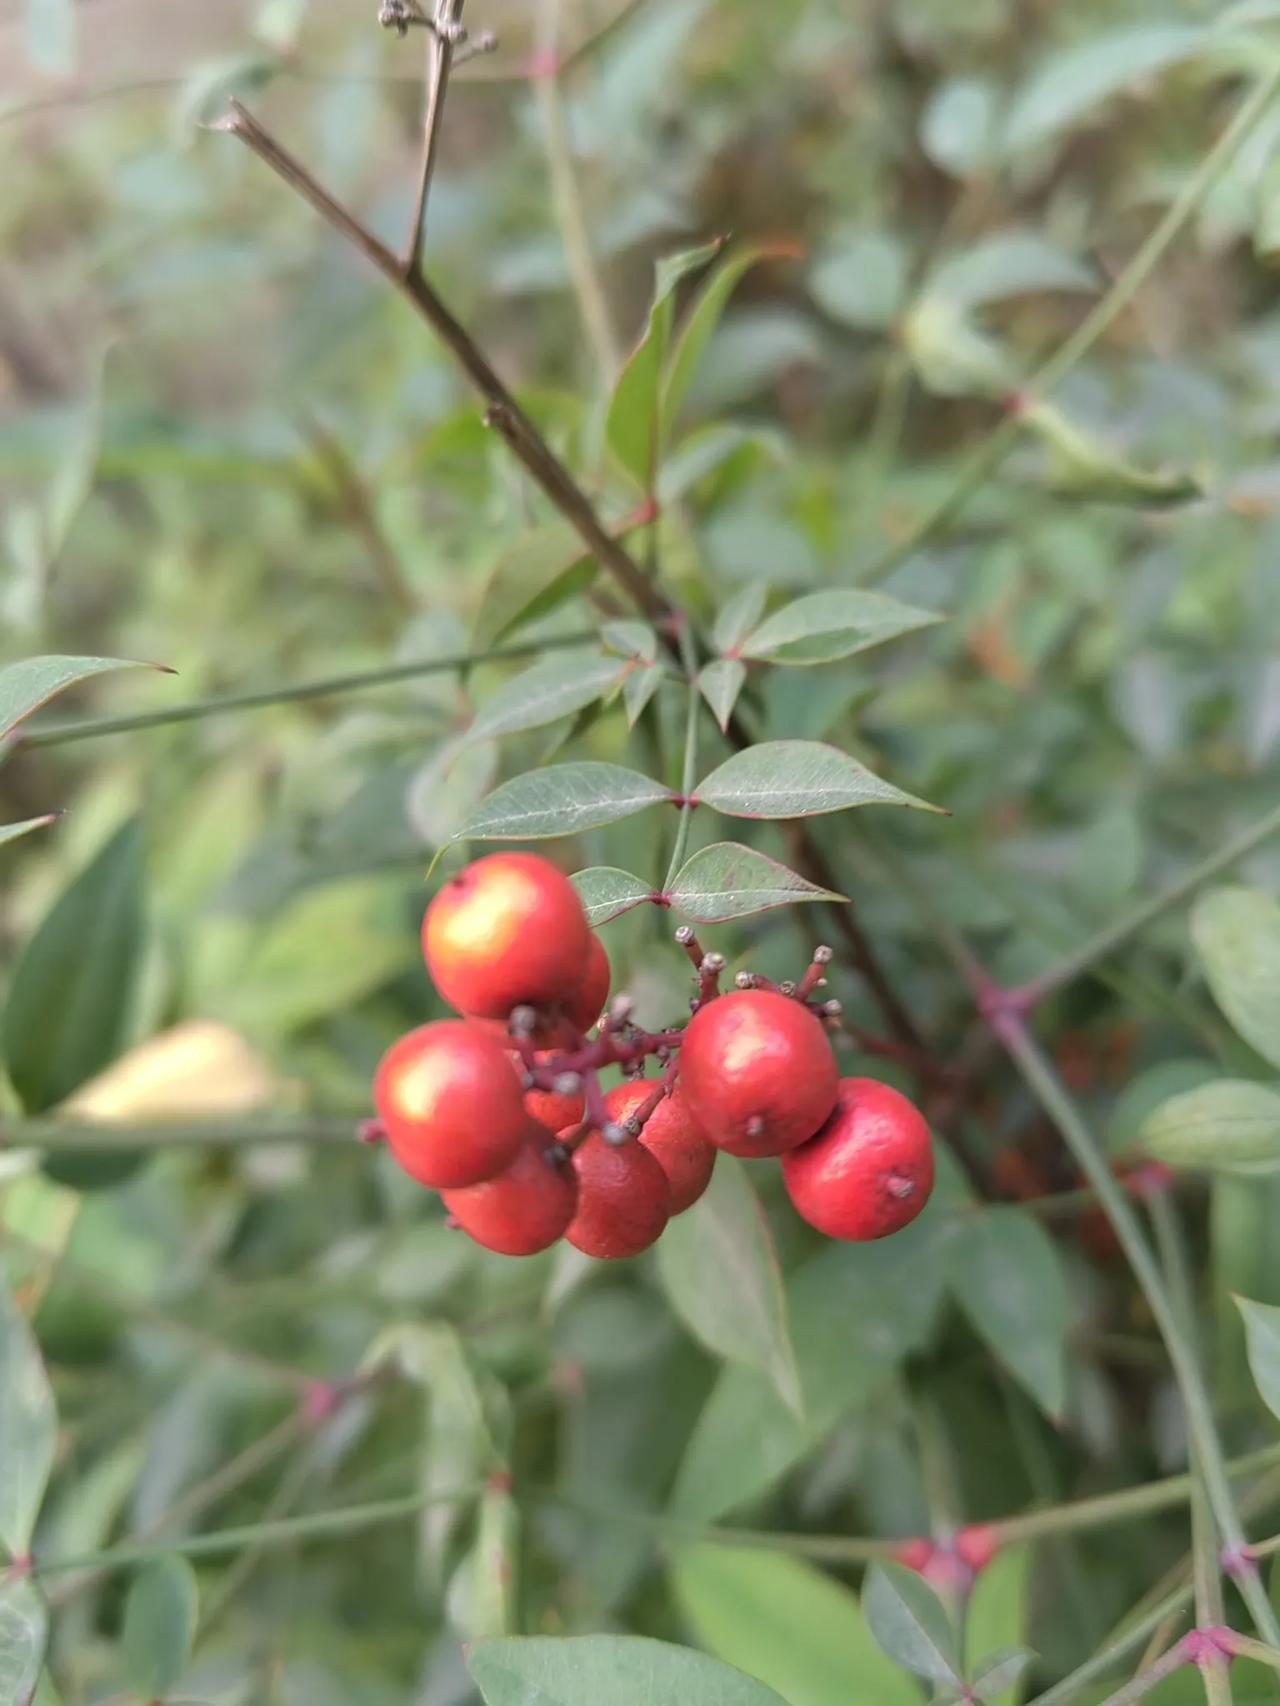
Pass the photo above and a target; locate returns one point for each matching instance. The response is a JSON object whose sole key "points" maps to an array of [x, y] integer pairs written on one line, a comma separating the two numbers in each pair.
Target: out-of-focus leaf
{"points": [[952, 357], [797, 778], [210, 86], [23, 1629], [1231, 1124], [1262, 1335], [958, 129], [449, 787], [1007, 263], [561, 800], [632, 639], [1081, 466], [861, 279], [26, 686], [727, 880], [554, 688], [909, 1623], [196, 1070], [606, 892], [996, 1625], [525, 577], [998, 1674], [738, 616], [159, 1626], [825, 626], [1008, 1277], [51, 35], [69, 998], [625, 1670], [700, 324], [28, 1429], [786, 1622], [1075, 80], [484, 1592], [719, 1269], [15, 831], [1237, 935], [639, 688], [720, 683]]}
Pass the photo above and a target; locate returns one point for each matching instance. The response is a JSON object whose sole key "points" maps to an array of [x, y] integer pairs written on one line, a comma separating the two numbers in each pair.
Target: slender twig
{"points": [[442, 40], [53, 1135], [689, 768], [1148, 1679], [1114, 1652], [325, 687], [989, 455], [357, 506]]}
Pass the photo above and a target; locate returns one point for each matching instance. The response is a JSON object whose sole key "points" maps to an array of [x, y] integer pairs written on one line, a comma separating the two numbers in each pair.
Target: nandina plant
{"points": [[816, 1202]]}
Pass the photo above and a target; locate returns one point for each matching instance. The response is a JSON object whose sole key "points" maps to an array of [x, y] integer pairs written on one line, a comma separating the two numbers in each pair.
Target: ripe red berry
{"points": [[670, 1136], [523, 1210], [589, 998], [978, 1545], [451, 1104], [869, 1171], [623, 1199], [508, 931], [551, 1108], [757, 1072]]}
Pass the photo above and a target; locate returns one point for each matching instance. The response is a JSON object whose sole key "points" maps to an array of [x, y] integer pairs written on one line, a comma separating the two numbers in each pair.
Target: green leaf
{"points": [[15, 831], [51, 36], [700, 325], [632, 639], [861, 279], [68, 1006], [484, 1592], [720, 683], [639, 687], [719, 1269], [1237, 935], [606, 892], [739, 616], [1076, 80], [1080, 465], [996, 1624], [561, 800], [1004, 264], [159, 1626], [28, 1429], [959, 125], [797, 778], [825, 626], [1231, 1123], [1262, 1335], [786, 1622], [1007, 1275], [622, 1670], [951, 356], [24, 1626], [910, 1623], [552, 689], [449, 788], [727, 880], [545, 569], [26, 686]]}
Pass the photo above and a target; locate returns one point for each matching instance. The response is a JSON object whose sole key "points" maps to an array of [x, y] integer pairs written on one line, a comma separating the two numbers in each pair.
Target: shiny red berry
{"points": [[524, 1209], [451, 1104], [869, 1171], [587, 1002], [508, 931], [551, 1108], [671, 1137], [623, 1199], [757, 1073]]}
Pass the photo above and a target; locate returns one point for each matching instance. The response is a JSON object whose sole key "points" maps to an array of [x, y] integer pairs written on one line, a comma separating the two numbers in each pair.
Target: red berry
{"points": [[451, 1104], [508, 931], [671, 1137], [551, 1108], [591, 994], [525, 1209], [978, 1545], [917, 1555], [869, 1171], [757, 1072], [623, 1199]]}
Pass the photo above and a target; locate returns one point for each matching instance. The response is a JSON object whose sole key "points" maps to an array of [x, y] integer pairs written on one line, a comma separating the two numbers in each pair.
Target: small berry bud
{"points": [[788, 987], [631, 1125], [745, 980], [832, 1009], [567, 1083], [684, 935], [523, 1022], [614, 1134], [621, 1009], [823, 956], [712, 965]]}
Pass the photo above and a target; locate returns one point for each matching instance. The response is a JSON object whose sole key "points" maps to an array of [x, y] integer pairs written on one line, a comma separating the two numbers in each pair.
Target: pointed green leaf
{"points": [[788, 1623], [1237, 935], [1262, 1335], [639, 687], [739, 616], [1081, 465], [700, 325], [958, 126], [825, 626], [28, 1429], [719, 1269], [622, 1670], [1008, 263], [545, 569], [561, 800], [632, 639], [68, 1005], [860, 279], [24, 1626], [484, 1592], [606, 892], [1231, 1123], [1000, 1671], [159, 1626], [1007, 1276], [797, 778], [997, 1620], [910, 1623], [26, 686], [727, 880], [720, 683], [552, 689], [15, 831], [1075, 80]]}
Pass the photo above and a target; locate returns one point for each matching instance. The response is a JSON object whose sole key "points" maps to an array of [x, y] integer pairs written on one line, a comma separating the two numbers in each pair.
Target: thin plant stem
{"points": [[1114, 1652], [53, 1135], [324, 687], [440, 50], [989, 455], [689, 767], [1150, 1678], [1245, 1648]]}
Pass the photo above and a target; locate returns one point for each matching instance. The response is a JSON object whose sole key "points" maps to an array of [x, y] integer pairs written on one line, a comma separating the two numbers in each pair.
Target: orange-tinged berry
{"points": [[587, 1002], [508, 931], [552, 1108], [524, 1209], [757, 1072], [451, 1104], [623, 1199], [869, 1171], [671, 1137]]}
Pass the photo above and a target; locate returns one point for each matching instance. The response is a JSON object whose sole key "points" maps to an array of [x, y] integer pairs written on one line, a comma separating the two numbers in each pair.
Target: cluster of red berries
{"points": [[502, 1111]]}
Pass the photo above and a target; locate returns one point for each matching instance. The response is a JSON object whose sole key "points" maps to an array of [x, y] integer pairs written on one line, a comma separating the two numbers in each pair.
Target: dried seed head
{"points": [[614, 1134], [745, 980], [823, 956], [787, 988], [712, 965], [684, 935]]}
